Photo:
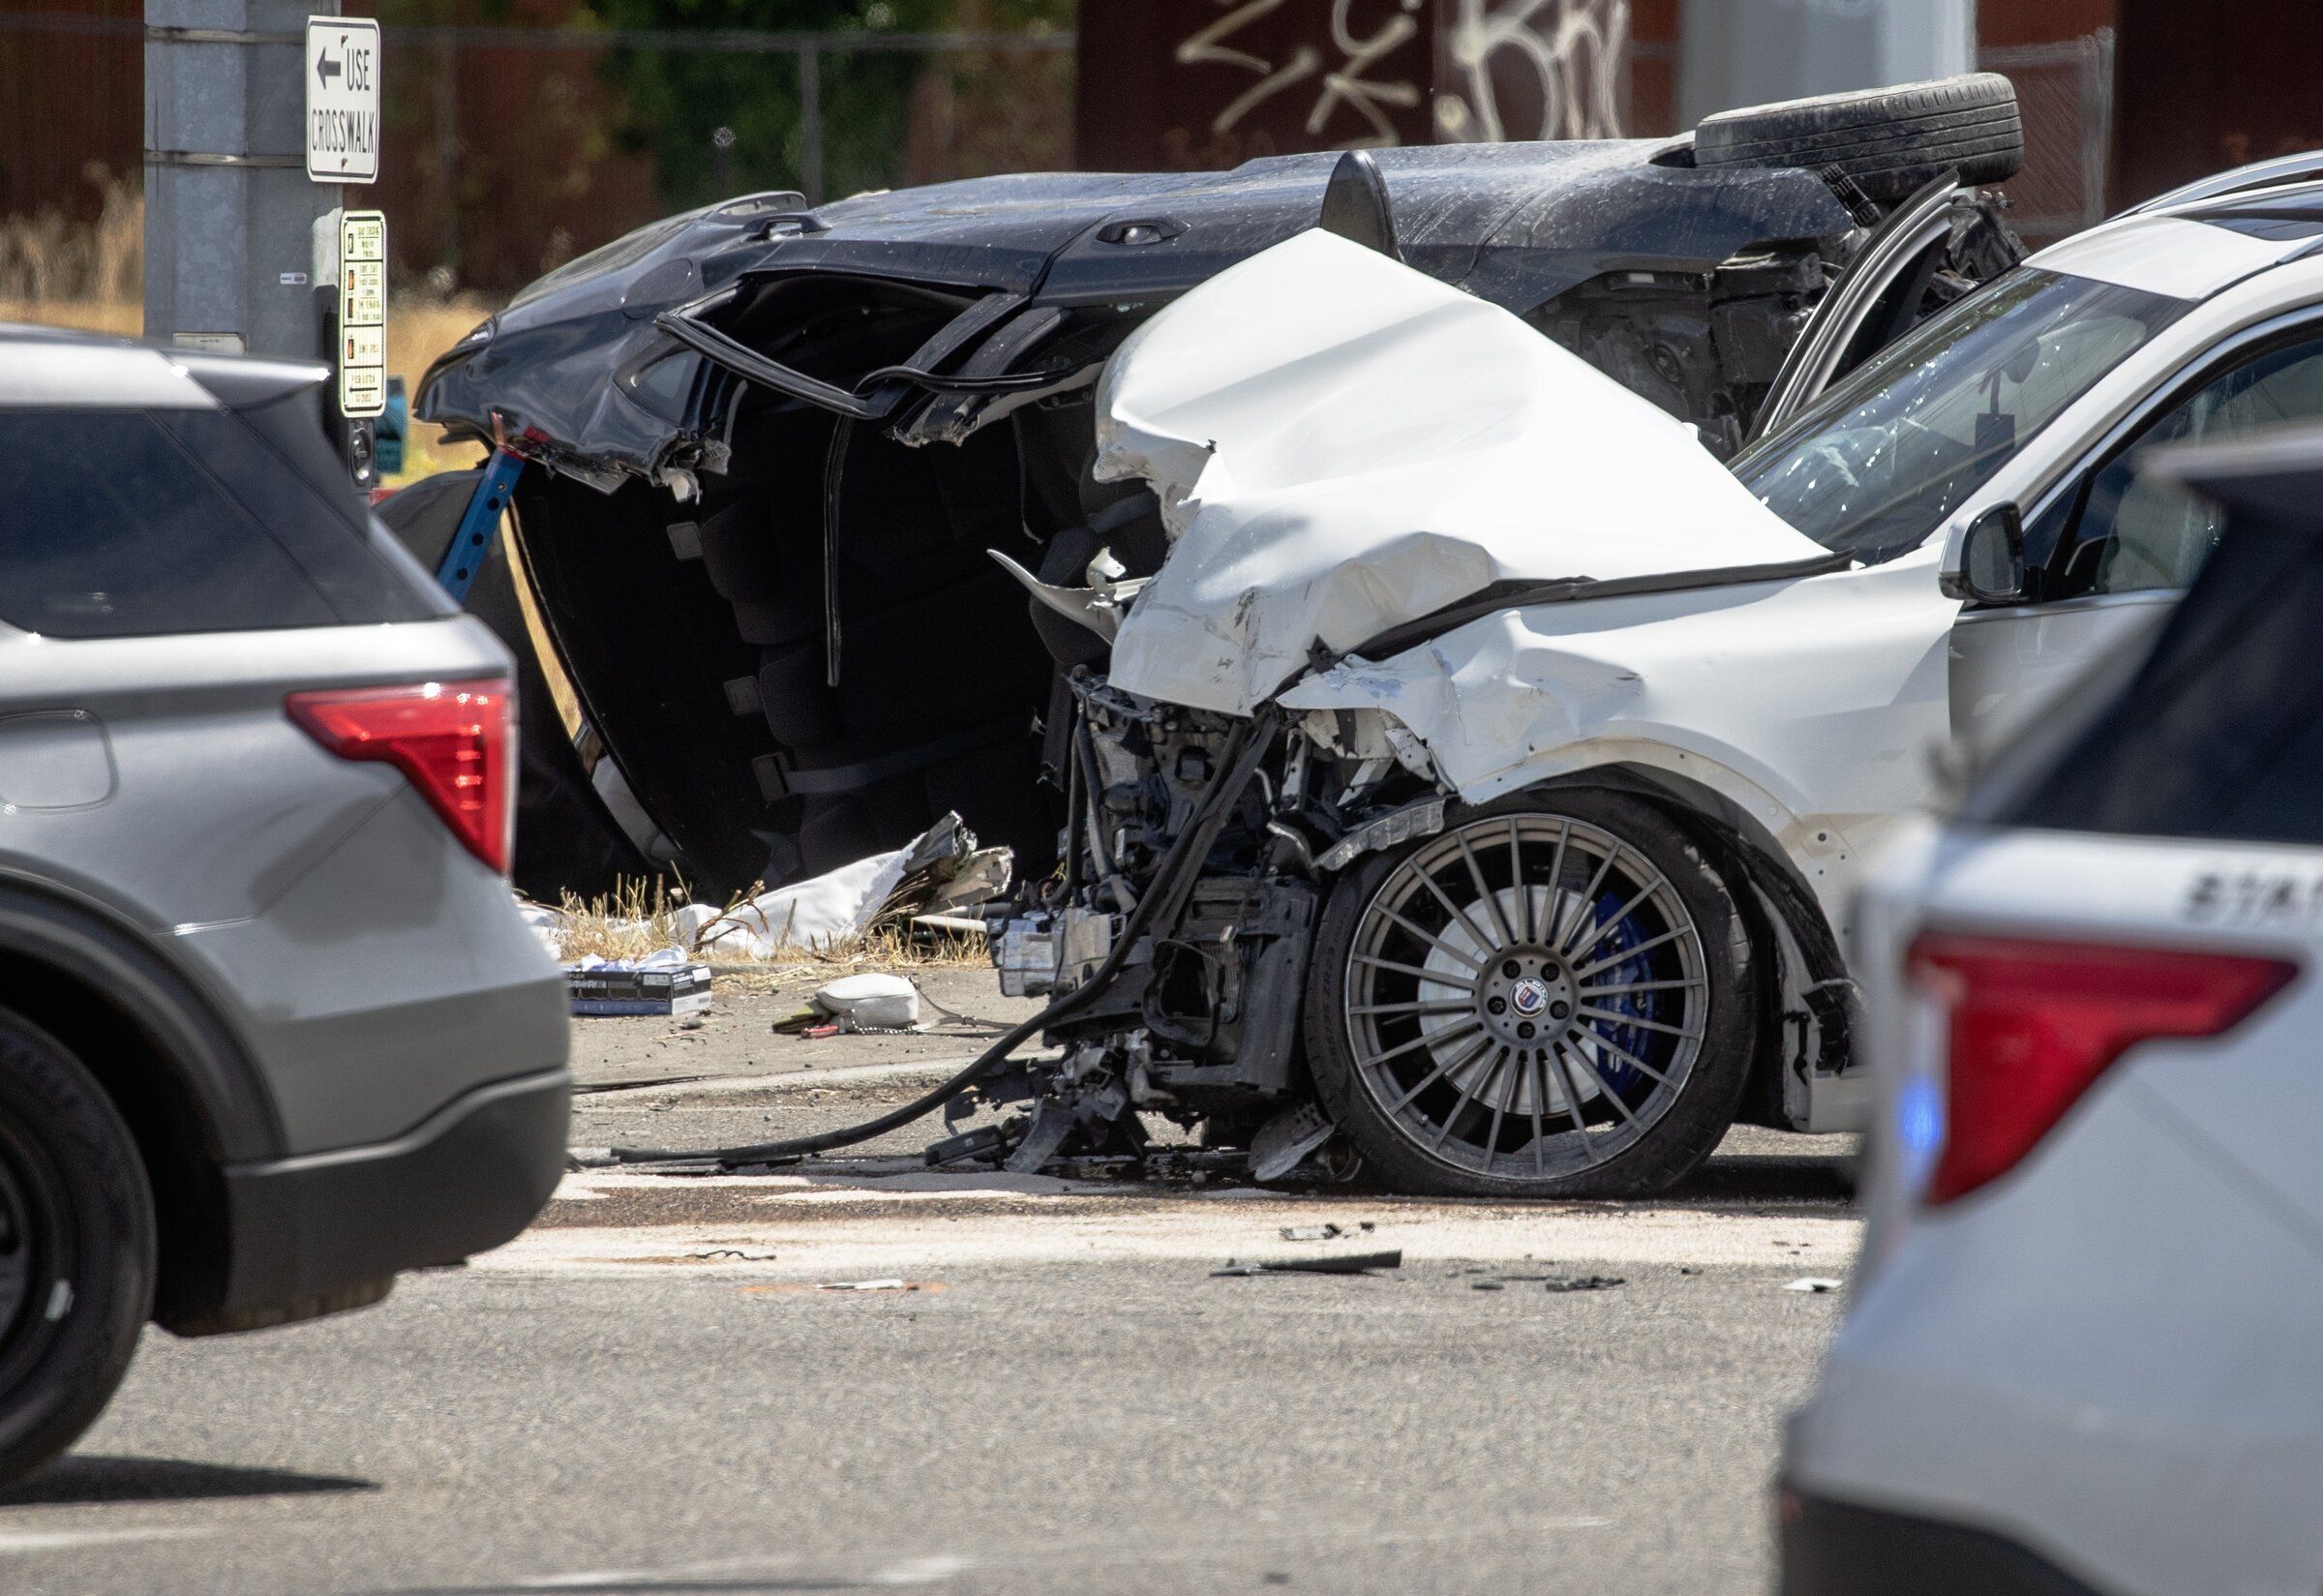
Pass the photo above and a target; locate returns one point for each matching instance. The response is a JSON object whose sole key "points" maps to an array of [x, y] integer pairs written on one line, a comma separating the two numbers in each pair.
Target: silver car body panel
{"points": [[369, 965], [2107, 1354]]}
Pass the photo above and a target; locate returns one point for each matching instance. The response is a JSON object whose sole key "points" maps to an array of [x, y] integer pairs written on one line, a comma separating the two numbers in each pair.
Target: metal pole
{"points": [[447, 155], [230, 212], [810, 123]]}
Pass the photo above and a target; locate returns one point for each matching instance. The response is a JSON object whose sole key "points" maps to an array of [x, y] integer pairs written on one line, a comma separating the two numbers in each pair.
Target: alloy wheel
{"points": [[1525, 995]]}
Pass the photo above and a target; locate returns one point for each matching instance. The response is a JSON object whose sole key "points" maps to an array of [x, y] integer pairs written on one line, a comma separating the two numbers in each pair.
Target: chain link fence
{"points": [[509, 150], [2064, 93]]}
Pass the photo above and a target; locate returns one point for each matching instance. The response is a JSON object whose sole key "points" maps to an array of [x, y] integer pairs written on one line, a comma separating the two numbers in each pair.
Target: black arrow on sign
{"points": [[326, 69]]}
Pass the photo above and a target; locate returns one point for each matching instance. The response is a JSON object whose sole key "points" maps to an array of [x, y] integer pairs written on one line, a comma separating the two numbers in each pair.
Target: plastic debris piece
{"points": [[1815, 1284], [984, 1145], [791, 1289], [941, 869], [1287, 1138], [870, 1003], [1485, 1286], [1344, 1263], [1313, 1232], [1584, 1283], [547, 923]]}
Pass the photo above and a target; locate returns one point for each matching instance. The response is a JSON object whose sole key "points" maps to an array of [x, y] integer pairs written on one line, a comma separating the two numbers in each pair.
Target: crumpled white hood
{"points": [[1343, 444]]}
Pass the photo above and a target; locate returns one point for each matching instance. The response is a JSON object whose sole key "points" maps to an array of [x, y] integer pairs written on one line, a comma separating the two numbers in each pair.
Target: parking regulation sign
{"points": [[362, 352], [342, 100]]}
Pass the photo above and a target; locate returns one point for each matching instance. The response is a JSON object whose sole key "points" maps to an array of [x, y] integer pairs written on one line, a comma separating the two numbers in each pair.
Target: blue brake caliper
{"points": [[1616, 939]]}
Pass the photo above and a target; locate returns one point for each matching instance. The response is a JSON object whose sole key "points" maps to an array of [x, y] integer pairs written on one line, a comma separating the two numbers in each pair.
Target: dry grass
{"points": [[51, 258], [90, 274], [640, 918]]}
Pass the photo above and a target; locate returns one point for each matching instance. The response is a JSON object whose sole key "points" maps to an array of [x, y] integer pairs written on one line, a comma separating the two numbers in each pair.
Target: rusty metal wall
{"points": [[2204, 87]]}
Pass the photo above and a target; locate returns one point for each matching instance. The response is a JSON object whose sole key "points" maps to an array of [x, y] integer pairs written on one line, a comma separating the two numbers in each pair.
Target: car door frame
{"points": [[2005, 660], [1901, 241]]}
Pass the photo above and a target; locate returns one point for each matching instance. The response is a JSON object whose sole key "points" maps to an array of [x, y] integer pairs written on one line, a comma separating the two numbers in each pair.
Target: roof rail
{"points": [[2307, 164]]}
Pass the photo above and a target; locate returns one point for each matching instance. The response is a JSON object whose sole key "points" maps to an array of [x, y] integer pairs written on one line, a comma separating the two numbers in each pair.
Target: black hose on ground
{"points": [[1245, 749]]}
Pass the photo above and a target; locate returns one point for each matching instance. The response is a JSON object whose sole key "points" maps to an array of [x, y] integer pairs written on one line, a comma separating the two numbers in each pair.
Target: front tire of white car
{"points": [[1552, 997]]}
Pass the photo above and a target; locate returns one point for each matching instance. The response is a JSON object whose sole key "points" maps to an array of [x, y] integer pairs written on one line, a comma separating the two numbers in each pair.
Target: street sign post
{"points": [[362, 349], [342, 100]]}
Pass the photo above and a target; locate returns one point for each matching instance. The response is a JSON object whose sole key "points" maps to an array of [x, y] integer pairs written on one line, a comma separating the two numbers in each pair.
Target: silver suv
{"points": [[270, 1027]]}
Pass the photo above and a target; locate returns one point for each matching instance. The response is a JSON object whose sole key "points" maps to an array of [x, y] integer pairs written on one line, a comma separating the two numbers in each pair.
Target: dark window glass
{"points": [[2219, 734], [2138, 533], [136, 523]]}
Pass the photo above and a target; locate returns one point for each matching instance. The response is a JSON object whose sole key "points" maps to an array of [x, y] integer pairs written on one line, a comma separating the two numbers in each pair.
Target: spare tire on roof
{"points": [[1889, 141]]}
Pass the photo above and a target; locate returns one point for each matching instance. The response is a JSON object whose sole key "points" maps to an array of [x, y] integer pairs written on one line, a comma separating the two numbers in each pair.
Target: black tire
{"points": [[1669, 1141], [1890, 142], [76, 1248]]}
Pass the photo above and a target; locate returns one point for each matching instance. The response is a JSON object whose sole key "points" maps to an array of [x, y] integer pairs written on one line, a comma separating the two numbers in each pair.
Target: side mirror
{"points": [[1992, 557]]}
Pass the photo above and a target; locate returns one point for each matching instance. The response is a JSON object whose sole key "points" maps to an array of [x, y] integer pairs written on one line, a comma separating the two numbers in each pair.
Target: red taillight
{"points": [[2032, 1024], [450, 737]]}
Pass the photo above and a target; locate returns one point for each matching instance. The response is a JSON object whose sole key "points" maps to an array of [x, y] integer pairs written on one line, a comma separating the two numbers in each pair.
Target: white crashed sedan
{"points": [[1582, 737]]}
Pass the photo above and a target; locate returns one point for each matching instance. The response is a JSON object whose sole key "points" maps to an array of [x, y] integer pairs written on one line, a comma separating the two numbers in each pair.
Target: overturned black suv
{"points": [[767, 447]]}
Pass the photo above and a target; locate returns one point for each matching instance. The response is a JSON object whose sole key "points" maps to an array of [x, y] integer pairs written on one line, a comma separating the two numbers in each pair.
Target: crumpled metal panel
{"points": [[577, 358], [1343, 445]]}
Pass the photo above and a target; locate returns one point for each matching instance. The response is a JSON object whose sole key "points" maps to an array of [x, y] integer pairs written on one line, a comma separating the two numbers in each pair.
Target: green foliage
{"points": [[675, 100]]}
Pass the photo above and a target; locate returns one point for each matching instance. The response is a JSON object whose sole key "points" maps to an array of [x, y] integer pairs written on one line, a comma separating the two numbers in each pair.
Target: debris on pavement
{"points": [[1283, 1142], [1349, 1263], [942, 870], [892, 1283], [985, 1143], [663, 983], [1584, 1283], [1815, 1284], [547, 923], [1312, 1232], [870, 1003]]}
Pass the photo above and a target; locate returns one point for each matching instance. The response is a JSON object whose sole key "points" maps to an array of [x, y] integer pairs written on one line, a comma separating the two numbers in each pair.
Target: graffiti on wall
{"points": [[1533, 69], [1205, 83], [1324, 82]]}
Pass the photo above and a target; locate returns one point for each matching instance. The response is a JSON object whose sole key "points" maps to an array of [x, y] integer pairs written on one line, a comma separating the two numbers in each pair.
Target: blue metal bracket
{"points": [[479, 524]]}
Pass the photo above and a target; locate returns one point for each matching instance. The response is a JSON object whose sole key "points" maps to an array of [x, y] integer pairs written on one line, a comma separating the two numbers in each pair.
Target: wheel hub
{"points": [[1526, 997]]}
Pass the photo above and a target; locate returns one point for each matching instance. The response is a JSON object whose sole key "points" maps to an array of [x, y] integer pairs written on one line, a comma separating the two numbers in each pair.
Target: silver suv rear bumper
{"points": [[325, 1231]]}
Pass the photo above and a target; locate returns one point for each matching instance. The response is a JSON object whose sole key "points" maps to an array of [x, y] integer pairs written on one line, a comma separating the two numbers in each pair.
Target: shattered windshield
{"points": [[1880, 459]]}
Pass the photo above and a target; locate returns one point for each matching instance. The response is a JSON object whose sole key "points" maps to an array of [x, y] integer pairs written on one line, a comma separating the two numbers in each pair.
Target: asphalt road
{"points": [[652, 1391]]}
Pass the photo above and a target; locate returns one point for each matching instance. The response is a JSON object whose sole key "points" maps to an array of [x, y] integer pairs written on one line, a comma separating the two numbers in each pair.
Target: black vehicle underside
{"points": [[812, 655]]}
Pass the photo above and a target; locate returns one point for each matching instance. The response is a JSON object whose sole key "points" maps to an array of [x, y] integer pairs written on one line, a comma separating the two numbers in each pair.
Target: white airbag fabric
{"points": [[1343, 444]]}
